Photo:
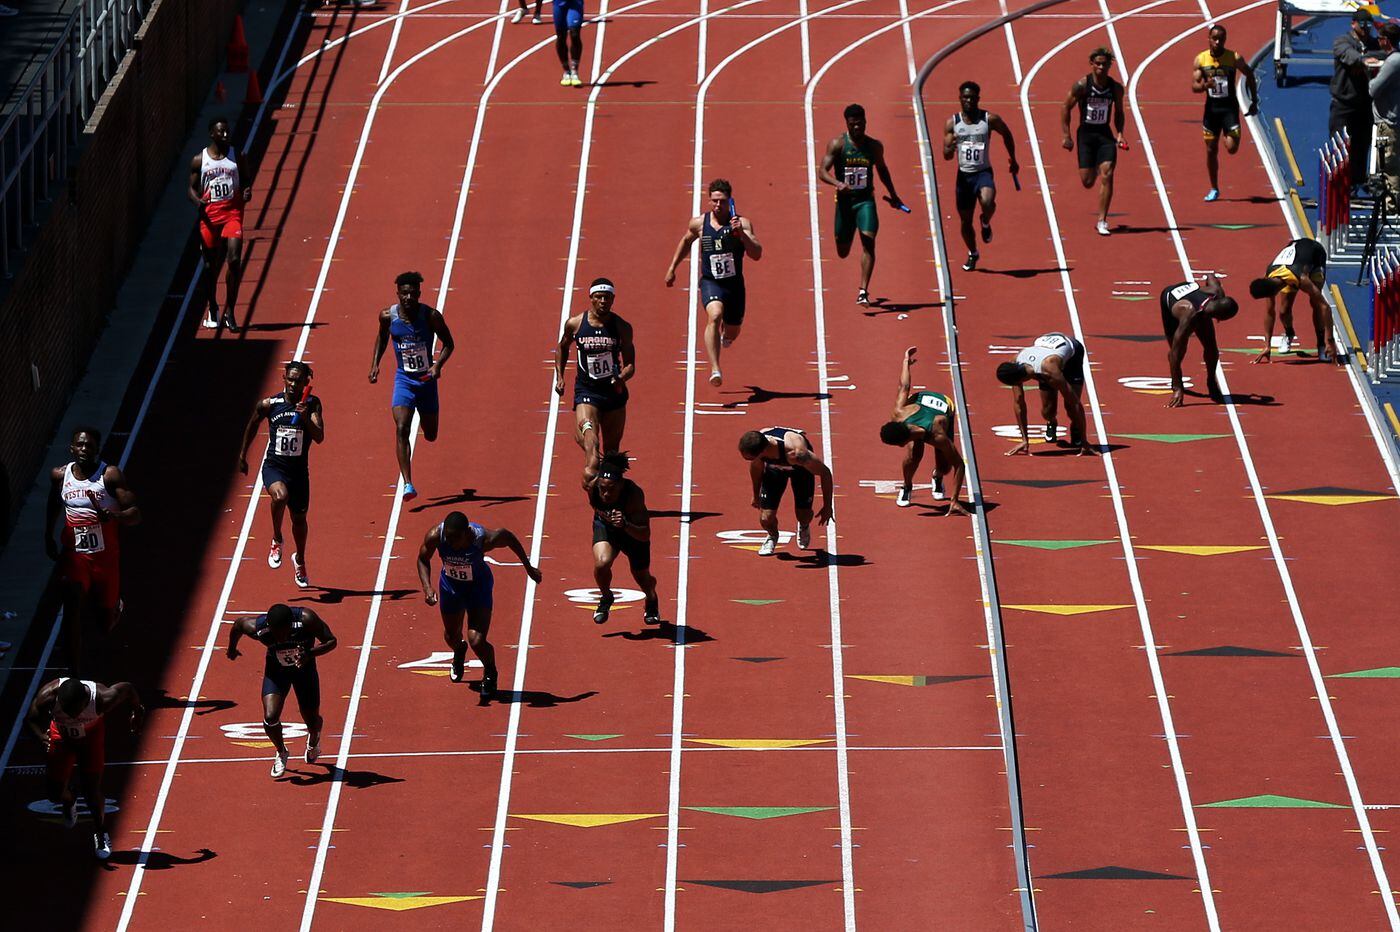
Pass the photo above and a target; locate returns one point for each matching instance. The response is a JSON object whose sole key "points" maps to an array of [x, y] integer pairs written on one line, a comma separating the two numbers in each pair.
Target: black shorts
{"points": [[969, 183], [775, 481], [638, 552], [298, 485], [1095, 148], [735, 302], [1169, 322], [304, 680], [602, 399], [1074, 367], [1221, 118]]}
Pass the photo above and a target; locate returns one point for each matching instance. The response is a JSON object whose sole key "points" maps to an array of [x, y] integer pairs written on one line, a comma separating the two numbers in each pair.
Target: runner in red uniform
{"points": [[219, 188], [95, 502], [68, 715]]}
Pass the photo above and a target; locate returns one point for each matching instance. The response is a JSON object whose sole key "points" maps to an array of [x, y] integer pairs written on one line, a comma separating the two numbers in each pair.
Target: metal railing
{"points": [[38, 138]]}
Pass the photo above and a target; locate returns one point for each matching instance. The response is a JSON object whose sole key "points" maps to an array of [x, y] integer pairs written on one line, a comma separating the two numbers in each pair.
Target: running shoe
{"points": [[409, 492], [537, 21], [986, 232], [938, 494], [101, 845], [279, 764], [70, 813], [651, 613], [518, 15], [211, 319], [299, 572], [274, 554], [575, 80], [716, 379], [905, 497], [566, 81], [1052, 432], [769, 545], [459, 664], [1284, 342], [600, 614], [1102, 228], [804, 537], [229, 322], [313, 751], [488, 682], [971, 263], [863, 298], [1212, 195]]}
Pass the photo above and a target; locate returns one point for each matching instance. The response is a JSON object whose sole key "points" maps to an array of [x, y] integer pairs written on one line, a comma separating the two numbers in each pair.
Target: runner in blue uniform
{"points": [[464, 588], [779, 457], [294, 638], [726, 239], [568, 20], [607, 360], [295, 420], [621, 524], [412, 327]]}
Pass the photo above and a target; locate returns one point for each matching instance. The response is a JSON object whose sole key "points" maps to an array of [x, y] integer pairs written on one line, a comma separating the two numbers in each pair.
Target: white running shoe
{"points": [[313, 751], [938, 494], [767, 547], [1102, 228], [299, 572], [716, 379], [518, 15], [274, 554], [210, 322], [1282, 343], [537, 21], [279, 764], [101, 845], [905, 497], [804, 537]]}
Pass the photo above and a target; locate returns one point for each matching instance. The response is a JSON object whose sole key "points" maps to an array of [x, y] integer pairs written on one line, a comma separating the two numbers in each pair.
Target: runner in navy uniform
{"points": [[621, 524], [725, 240], [606, 361], [1190, 308], [294, 638], [295, 420], [464, 588], [1096, 95], [779, 456], [412, 326], [968, 134]]}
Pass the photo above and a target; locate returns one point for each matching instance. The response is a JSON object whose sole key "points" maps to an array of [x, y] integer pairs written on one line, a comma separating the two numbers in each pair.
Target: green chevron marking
{"points": [[1269, 801], [759, 812], [1053, 544], [1379, 673], [1172, 438]]}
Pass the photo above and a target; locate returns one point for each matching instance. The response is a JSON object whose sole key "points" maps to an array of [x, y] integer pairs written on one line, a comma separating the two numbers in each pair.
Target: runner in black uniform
{"points": [[1097, 96], [606, 361], [778, 456], [1190, 308], [294, 638], [621, 524], [725, 240], [1299, 266], [295, 420]]}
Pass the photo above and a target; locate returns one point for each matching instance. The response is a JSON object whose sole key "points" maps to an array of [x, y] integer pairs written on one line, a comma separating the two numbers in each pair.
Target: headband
{"points": [[611, 473], [601, 288]]}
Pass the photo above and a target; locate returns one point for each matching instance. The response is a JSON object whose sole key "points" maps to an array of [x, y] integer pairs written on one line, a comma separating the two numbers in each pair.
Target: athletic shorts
{"points": [[969, 183], [97, 574], [638, 552], [1169, 322], [412, 393], [602, 400], [853, 216], [223, 220], [1095, 148], [454, 598], [568, 15], [304, 680], [1220, 119], [1074, 366], [88, 753], [774, 481], [298, 486], [731, 296]]}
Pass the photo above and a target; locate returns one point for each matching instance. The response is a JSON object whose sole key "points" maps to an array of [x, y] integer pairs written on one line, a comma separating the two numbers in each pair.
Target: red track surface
{"points": [[927, 803]]}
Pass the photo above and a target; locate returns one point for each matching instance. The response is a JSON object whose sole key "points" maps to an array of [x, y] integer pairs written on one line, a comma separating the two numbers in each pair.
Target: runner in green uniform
{"points": [[847, 166], [925, 418]]}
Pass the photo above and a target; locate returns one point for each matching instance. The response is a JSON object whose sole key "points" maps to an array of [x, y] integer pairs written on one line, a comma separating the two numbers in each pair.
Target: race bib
{"points": [[286, 441], [414, 357], [1096, 109], [722, 265], [1181, 291], [934, 402], [1289, 254], [1052, 341], [857, 177], [599, 366], [972, 155], [288, 656], [73, 731], [87, 538], [1219, 86], [458, 572], [220, 189]]}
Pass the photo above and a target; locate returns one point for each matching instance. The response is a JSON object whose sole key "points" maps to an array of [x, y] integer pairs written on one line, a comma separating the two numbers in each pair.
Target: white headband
{"points": [[601, 288]]}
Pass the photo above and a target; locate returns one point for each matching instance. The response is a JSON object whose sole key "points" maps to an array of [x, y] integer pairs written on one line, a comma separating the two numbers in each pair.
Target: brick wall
{"points": [[58, 303]]}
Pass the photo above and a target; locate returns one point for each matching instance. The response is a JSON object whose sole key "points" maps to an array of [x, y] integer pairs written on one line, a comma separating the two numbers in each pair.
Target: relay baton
{"points": [[305, 394], [733, 211]]}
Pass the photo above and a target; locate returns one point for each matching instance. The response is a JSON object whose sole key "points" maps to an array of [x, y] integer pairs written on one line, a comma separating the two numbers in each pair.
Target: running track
{"points": [[741, 766]]}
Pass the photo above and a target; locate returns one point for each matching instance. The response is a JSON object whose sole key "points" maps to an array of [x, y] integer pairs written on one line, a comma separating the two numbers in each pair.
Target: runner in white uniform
{"points": [[1056, 362], [968, 134], [219, 188]]}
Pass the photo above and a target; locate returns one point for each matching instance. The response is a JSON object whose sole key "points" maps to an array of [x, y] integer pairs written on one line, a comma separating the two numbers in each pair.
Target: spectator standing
{"points": [[1385, 104], [1351, 98]]}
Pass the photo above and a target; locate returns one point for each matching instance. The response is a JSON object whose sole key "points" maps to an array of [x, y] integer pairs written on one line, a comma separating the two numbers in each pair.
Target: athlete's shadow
{"points": [[693, 516], [1027, 273], [290, 325], [537, 698], [621, 84], [818, 559], [467, 495], [1128, 228], [1250, 398], [880, 307], [333, 595], [156, 860], [163, 700], [354, 779], [666, 631], [759, 395]]}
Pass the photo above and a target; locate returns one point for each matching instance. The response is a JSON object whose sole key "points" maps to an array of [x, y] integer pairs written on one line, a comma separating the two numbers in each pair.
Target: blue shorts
{"points": [[969, 183], [298, 483], [731, 296], [411, 393], [568, 15], [601, 399], [454, 598]]}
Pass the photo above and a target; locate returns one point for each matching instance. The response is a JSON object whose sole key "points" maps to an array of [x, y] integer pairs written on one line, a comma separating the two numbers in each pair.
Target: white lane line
{"points": [[493, 879], [254, 499], [838, 674], [394, 41], [1125, 537], [694, 320], [1266, 518]]}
